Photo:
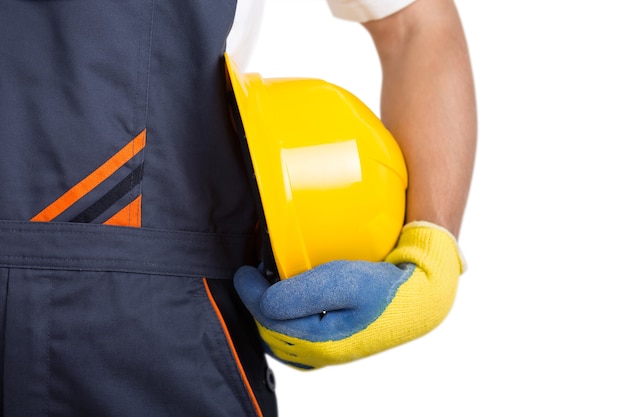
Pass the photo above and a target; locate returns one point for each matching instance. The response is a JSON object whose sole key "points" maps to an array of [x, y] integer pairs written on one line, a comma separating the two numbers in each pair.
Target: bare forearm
{"points": [[428, 104]]}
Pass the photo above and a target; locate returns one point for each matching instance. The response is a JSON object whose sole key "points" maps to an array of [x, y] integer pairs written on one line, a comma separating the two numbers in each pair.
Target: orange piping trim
{"points": [[255, 403], [91, 181]]}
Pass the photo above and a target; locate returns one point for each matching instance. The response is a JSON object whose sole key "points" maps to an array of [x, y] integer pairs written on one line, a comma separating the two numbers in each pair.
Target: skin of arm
{"points": [[428, 104]]}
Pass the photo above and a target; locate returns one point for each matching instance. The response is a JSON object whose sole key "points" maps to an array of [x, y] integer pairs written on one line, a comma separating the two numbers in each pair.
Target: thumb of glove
{"points": [[251, 286]]}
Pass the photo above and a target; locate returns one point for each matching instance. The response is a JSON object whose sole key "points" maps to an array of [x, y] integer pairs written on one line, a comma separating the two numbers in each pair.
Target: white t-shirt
{"points": [[249, 12], [366, 10]]}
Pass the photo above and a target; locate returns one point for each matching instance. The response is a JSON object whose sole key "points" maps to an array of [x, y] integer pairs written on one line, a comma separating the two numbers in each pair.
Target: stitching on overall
{"points": [[147, 97]]}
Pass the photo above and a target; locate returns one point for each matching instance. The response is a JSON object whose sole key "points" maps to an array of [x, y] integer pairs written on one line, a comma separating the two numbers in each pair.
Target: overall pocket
{"points": [[117, 344]]}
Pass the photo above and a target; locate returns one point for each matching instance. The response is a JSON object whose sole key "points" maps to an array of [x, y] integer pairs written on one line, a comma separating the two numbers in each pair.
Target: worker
{"points": [[126, 211]]}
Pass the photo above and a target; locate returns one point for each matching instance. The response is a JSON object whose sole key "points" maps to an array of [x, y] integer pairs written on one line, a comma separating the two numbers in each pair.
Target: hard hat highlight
{"points": [[330, 176]]}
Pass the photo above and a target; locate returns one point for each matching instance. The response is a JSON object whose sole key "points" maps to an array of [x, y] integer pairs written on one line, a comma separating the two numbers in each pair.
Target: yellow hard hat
{"points": [[330, 177]]}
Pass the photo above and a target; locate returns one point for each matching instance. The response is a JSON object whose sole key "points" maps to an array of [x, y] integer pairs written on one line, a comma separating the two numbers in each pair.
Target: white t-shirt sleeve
{"points": [[366, 10], [245, 30]]}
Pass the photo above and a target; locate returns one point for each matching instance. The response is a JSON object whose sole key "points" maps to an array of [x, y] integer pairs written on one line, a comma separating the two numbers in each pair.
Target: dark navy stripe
{"points": [[110, 198]]}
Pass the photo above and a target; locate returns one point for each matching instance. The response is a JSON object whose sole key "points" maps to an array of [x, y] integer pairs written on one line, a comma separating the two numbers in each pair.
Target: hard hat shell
{"points": [[331, 178]]}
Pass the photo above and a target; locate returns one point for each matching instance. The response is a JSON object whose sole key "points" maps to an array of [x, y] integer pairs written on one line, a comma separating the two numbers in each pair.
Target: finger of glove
{"points": [[251, 285], [351, 294], [310, 293], [334, 286], [287, 353], [252, 288]]}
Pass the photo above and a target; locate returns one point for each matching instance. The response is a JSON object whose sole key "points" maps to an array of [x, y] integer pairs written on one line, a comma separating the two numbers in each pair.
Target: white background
{"points": [[539, 321]]}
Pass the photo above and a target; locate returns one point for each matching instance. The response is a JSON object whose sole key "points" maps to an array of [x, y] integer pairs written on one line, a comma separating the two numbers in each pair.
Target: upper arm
{"points": [[437, 19]]}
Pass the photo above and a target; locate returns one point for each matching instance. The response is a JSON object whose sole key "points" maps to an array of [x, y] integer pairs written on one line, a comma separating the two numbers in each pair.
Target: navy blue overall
{"points": [[124, 212]]}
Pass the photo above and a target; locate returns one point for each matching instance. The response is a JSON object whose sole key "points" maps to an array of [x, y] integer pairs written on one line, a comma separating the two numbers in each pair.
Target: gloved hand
{"points": [[345, 310]]}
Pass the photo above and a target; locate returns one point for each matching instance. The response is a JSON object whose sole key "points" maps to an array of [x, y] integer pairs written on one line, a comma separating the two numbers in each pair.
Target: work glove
{"points": [[342, 311]]}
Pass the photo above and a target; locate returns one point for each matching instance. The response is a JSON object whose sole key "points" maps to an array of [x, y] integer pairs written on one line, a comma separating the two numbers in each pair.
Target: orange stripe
{"points": [[128, 216], [255, 403], [92, 180]]}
